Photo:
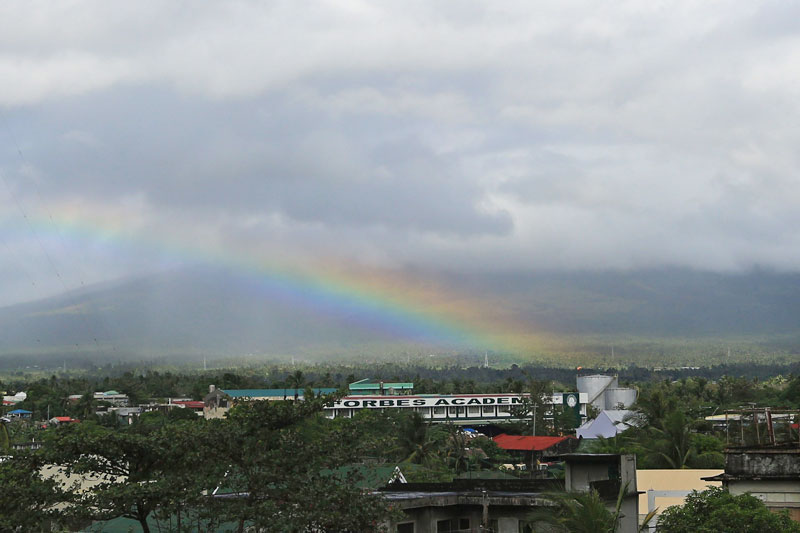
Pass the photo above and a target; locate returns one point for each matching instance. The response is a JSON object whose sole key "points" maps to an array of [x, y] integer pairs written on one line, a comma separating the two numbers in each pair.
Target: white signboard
{"points": [[352, 402]]}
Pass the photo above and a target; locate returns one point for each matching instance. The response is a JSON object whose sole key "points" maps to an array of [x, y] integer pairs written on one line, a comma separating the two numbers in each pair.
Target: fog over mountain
{"points": [[552, 160], [203, 312]]}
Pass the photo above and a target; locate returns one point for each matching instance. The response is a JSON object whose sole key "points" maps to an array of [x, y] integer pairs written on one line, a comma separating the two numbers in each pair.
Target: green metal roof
{"points": [[375, 384]]}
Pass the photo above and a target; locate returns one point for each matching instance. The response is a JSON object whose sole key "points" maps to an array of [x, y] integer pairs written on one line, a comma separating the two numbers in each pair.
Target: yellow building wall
{"points": [[685, 479]]}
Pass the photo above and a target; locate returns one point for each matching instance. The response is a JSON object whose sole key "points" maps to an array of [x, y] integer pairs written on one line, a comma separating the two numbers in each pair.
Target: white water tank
{"points": [[594, 385], [614, 397]]}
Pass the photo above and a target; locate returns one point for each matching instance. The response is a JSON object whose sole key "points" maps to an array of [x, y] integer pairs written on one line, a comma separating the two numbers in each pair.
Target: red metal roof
{"points": [[65, 419], [191, 404], [523, 443]]}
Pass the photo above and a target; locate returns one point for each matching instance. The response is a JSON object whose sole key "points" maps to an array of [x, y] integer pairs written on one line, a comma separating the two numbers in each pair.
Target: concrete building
{"points": [[504, 506], [459, 409], [662, 489], [770, 473]]}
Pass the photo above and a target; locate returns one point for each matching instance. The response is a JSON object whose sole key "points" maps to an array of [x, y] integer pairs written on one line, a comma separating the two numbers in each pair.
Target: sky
{"points": [[450, 136]]}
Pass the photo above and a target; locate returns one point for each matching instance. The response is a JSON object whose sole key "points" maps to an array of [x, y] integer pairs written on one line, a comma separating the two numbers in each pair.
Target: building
{"points": [[218, 402], [532, 449], [604, 392], [117, 399], [15, 399], [608, 424], [768, 472], [504, 506], [380, 388], [662, 489], [460, 409], [62, 420]]}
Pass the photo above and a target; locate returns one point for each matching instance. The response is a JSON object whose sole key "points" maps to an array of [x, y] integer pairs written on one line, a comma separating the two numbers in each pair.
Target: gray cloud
{"points": [[485, 136]]}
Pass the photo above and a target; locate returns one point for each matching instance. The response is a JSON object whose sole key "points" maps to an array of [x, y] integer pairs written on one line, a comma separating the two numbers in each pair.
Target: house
{"points": [[62, 420], [768, 472], [532, 449], [117, 399], [504, 505], [607, 424], [19, 413], [16, 398]]}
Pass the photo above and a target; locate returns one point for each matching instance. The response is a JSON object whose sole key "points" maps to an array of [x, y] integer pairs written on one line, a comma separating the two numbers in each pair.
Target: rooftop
{"points": [[274, 393], [527, 443], [369, 383]]}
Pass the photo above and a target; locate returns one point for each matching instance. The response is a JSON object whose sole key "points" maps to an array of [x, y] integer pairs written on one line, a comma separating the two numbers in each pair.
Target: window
{"points": [[474, 411], [452, 525], [407, 527], [488, 409], [438, 410], [503, 410], [452, 411]]}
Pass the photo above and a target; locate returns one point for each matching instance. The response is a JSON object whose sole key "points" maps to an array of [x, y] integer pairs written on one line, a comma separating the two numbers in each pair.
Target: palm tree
{"points": [[417, 445], [583, 512], [297, 381], [672, 441]]}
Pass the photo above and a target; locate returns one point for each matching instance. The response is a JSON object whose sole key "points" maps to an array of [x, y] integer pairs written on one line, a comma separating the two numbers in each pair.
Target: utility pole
{"points": [[486, 359]]}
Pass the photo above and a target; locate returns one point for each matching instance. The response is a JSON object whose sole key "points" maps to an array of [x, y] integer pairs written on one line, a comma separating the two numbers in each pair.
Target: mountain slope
{"points": [[198, 312]]}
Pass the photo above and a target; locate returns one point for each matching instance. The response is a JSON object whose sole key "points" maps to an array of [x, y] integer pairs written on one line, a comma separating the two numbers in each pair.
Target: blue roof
{"points": [[20, 412], [273, 393]]}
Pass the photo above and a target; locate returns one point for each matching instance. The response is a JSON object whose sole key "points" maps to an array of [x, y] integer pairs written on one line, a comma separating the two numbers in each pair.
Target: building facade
{"points": [[459, 409]]}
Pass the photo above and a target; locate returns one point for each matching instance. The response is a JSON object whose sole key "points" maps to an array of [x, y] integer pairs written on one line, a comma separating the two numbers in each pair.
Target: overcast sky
{"points": [[449, 135]]}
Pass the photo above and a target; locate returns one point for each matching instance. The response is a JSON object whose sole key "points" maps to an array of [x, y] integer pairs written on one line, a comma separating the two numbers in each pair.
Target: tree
{"points": [[138, 469], [296, 380], [26, 497], [278, 474], [5, 438], [584, 512], [715, 510], [672, 439], [535, 406]]}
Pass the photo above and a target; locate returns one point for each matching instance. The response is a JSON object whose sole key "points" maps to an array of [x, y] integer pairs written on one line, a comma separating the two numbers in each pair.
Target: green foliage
{"points": [[274, 468], [26, 497], [5, 439], [715, 510], [137, 470]]}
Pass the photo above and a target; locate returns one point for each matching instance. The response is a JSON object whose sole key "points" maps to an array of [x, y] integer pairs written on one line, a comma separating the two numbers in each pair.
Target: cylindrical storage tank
{"points": [[615, 397], [594, 386]]}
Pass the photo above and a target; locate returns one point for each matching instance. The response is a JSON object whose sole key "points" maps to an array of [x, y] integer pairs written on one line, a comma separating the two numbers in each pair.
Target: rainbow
{"points": [[386, 302]]}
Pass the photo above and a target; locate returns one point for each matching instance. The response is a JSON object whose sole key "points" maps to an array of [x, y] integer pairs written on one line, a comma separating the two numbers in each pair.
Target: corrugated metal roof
{"points": [[527, 443]]}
